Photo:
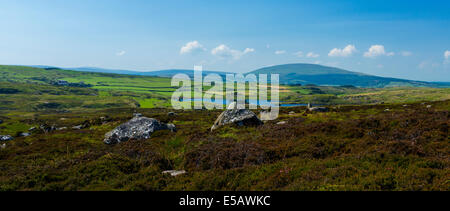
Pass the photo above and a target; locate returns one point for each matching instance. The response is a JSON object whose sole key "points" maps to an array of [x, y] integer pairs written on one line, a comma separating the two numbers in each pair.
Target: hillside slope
{"points": [[323, 75]]}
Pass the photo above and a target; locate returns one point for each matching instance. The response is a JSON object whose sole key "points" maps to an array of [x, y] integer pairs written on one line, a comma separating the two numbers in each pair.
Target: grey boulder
{"points": [[138, 128], [239, 117]]}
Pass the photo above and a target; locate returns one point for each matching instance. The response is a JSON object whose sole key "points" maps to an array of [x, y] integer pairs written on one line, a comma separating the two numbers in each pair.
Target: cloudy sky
{"points": [[406, 39]]}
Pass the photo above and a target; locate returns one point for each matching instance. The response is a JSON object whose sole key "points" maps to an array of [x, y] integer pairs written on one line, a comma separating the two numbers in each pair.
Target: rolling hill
{"points": [[323, 75], [290, 74], [159, 73]]}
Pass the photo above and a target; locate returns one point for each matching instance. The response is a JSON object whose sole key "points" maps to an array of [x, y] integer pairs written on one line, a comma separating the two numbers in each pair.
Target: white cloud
{"points": [[447, 55], [280, 52], [380, 66], [347, 51], [377, 50], [406, 53], [121, 53], [312, 55], [191, 47], [299, 54], [224, 51]]}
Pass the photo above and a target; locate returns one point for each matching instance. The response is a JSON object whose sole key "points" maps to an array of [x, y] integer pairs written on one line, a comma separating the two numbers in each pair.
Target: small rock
{"points": [[174, 173], [171, 127], [281, 123], [46, 128], [405, 105], [78, 127], [3, 146], [428, 106], [61, 128], [317, 109], [137, 115], [32, 129], [387, 109], [6, 138], [24, 134], [171, 114]]}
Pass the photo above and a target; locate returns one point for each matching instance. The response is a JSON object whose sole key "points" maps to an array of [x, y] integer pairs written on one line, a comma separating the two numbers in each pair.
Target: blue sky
{"points": [[405, 39]]}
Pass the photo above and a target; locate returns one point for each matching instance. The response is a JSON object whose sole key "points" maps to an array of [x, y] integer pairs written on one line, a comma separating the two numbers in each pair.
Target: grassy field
{"points": [[372, 139]]}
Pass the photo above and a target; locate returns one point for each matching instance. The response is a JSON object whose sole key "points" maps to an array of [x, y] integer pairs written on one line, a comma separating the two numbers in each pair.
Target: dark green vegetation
{"points": [[350, 148], [390, 146]]}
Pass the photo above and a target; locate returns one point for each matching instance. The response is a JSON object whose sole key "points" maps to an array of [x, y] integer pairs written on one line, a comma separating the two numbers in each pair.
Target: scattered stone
{"points": [[3, 146], [24, 134], [171, 114], [32, 129], [61, 128], [46, 128], [138, 128], [281, 123], [174, 173], [137, 115], [6, 138], [105, 119], [405, 105], [63, 119], [317, 109], [78, 127], [233, 115], [387, 109], [291, 113], [428, 106], [171, 127]]}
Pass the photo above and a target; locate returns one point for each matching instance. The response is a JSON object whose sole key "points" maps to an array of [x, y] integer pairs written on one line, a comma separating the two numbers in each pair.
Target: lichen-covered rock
{"points": [[138, 128], [240, 117]]}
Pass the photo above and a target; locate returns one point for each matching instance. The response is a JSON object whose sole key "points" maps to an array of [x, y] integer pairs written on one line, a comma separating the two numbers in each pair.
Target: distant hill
{"points": [[290, 74], [331, 76], [160, 73]]}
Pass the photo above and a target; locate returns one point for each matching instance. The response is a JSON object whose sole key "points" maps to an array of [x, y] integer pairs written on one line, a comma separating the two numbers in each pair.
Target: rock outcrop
{"points": [[138, 128], [236, 116]]}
